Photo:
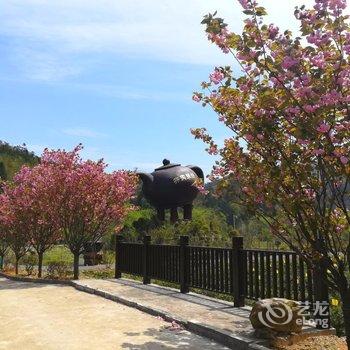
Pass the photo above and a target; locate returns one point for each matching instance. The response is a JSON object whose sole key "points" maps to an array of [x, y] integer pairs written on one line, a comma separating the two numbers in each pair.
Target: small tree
{"points": [[290, 120], [88, 200], [36, 192], [14, 221]]}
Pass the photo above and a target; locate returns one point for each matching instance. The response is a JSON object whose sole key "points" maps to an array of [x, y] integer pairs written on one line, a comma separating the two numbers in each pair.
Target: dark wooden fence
{"points": [[243, 273]]}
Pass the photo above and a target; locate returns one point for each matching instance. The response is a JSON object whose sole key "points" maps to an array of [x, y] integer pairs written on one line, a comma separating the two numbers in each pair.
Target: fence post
{"points": [[321, 293], [238, 277], [184, 264], [118, 247], [146, 243]]}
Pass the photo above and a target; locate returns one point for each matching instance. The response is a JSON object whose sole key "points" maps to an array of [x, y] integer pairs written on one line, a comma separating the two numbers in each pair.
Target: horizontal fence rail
{"points": [[243, 273]]}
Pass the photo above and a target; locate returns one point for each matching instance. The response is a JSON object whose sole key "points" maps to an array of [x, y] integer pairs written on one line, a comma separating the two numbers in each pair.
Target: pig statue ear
{"points": [[146, 178], [197, 170]]}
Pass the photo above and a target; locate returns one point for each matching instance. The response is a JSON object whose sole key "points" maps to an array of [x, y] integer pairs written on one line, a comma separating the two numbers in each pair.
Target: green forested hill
{"points": [[13, 157]]}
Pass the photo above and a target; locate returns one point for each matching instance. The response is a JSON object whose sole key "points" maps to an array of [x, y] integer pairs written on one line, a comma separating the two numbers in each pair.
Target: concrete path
{"points": [[53, 317], [194, 310]]}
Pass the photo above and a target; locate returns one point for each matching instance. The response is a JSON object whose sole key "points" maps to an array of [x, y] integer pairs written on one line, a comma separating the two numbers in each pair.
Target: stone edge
{"points": [[36, 280]]}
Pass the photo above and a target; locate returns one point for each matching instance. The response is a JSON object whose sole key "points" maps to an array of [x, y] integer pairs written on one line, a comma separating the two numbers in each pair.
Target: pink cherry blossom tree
{"points": [[35, 192], [14, 222], [88, 200], [289, 115]]}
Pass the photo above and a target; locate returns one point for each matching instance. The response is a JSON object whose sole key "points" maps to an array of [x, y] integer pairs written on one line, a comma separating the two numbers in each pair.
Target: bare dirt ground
{"points": [[50, 317]]}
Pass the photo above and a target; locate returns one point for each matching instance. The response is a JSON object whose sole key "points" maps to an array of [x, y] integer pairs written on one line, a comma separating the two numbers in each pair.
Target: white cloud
{"points": [[44, 66], [51, 41], [48, 36], [126, 92], [83, 132]]}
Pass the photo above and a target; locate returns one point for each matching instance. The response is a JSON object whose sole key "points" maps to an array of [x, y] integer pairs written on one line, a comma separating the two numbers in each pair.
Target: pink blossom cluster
{"points": [[273, 31], [289, 62], [217, 76], [344, 160], [213, 149], [334, 5], [244, 3], [249, 137], [318, 60], [319, 38], [344, 78], [331, 98], [248, 4], [196, 97], [324, 128], [346, 46], [221, 39]]}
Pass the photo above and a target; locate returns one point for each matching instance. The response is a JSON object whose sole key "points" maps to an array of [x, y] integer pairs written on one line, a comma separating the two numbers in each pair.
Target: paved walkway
{"points": [[193, 308], [37, 316]]}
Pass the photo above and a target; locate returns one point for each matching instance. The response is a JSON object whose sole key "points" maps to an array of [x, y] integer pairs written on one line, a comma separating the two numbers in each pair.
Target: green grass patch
{"points": [[58, 253], [97, 274]]}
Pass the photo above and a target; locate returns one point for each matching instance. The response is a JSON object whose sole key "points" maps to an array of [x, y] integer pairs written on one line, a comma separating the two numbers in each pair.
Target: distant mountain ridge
{"points": [[13, 157]]}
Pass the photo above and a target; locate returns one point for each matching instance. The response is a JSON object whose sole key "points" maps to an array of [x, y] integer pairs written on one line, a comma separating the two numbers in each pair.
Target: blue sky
{"points": [[115, 75]]}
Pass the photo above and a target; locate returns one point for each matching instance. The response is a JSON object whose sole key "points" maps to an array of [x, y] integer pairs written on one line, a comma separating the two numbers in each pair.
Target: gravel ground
{"points": [[319, 343], [50, 317]]}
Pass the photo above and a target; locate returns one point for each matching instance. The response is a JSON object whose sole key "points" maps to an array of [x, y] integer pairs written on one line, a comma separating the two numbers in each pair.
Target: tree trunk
{"points": [[346, 315], [76, 266], [40, 264], [2, 261], [16, 266]]}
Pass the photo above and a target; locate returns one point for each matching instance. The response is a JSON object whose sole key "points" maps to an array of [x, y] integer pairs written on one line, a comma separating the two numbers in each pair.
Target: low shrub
{"points": [[108, 258], [337, 319], [10, 259], [58, 269], [8, 268], [29, 261], [6, 263]]}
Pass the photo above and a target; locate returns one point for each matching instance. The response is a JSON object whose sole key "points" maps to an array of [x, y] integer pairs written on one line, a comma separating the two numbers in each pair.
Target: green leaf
{"points": [[260, 11], [234, 40]]}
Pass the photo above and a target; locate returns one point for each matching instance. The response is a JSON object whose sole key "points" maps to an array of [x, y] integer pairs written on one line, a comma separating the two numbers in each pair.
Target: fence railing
{"points": [[243, 273], [281, 274]]}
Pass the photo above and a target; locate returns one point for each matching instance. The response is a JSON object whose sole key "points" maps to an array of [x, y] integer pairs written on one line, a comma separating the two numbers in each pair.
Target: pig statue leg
{"points": [[173, 215], [161, 214], [188, 211]]}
